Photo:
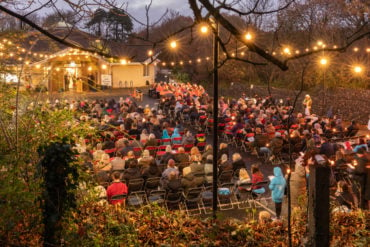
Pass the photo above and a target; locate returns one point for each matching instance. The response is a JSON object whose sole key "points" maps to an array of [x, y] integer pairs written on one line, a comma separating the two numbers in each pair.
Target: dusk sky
{"points": [[137, 8]]}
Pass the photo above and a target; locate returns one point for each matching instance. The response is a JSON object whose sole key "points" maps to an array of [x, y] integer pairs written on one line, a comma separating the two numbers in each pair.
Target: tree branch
{"points": [[52, 36], [234, 31]]}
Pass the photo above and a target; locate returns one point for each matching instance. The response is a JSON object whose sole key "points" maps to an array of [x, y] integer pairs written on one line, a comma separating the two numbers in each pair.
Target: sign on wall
{"points": [[106, 80]]}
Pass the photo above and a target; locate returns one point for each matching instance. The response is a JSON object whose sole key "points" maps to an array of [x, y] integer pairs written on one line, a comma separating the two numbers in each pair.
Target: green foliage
{"points": [[20, 182], [181, 76], [116, 22], [59, 185], [97, 224]]}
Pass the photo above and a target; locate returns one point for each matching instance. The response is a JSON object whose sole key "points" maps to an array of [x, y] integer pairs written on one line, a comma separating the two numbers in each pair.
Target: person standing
{"points": [[307, 102], [79, 85], [277, 187]]}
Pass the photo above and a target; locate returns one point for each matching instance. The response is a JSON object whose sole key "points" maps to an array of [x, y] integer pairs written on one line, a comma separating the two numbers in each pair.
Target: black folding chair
{"points": [[244, 195], [173, 199], [225, 177], [136, 199], [207, 199], [135, 185], [118, 198], [192, 200], [157, 196], [225, 196], [152, 184]]}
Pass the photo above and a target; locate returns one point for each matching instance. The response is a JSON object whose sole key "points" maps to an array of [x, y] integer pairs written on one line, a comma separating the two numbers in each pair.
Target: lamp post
{"points": [[324, 63], [204, 30], [215, 115]]}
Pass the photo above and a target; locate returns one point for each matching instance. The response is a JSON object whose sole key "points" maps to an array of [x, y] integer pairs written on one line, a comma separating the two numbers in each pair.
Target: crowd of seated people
{"points": [[169, 141]]}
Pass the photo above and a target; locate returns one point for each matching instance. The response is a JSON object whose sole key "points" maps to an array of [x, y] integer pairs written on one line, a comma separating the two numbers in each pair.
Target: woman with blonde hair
{"points": [[195, 154], [243, 177], [238, 163], [223, 150], [104, 163], [145, 159]]}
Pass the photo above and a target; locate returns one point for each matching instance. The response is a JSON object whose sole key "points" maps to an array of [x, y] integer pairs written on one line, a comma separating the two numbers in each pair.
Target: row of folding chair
{"points": [[198, 200], [139, 184]]}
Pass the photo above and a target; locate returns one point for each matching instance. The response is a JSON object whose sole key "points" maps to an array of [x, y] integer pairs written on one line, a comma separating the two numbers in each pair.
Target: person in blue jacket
{"points": [[175, 134], [165, 135], [277, 187]]}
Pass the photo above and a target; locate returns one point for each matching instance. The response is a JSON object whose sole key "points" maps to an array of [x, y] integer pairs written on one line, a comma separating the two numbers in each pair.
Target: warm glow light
{"points": [[199, 60], [181, 62], [72, 64], [307, 50], [163, 64], [297, 52], [367, 49], [123, 61], [173, 44], [248, 36], [89, 68], [38, 66], [150, 53], [320, 43], [315, 48], [355, 49], [204, 29], [354, 162], [357, 69], [323, 61], [286, 50], [242, 53], [57, 69], [104, 66], [335, 47], [172, 63]]}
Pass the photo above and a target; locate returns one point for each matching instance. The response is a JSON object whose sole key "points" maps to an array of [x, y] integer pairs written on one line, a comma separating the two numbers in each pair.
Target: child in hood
{"points": [[277, 187]]}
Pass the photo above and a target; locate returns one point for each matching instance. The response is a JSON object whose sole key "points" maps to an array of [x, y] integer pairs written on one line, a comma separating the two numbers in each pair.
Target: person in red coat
{"points": [[116, 188], [257, 177]]}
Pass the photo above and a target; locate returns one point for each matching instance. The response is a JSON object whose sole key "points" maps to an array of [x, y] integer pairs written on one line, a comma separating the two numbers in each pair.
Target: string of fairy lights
{"points": [[11, 51]]}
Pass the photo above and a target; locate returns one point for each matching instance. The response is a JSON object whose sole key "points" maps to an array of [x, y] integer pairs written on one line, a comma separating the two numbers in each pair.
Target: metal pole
{"points": [[215, 118]]}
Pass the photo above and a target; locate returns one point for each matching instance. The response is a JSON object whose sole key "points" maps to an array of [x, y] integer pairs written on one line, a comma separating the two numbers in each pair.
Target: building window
{"points": [[145, 70]]}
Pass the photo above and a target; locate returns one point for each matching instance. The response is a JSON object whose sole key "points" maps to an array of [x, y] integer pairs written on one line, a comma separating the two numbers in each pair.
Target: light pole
{"points": [[204, 30], [323, 63], [215, 113]]}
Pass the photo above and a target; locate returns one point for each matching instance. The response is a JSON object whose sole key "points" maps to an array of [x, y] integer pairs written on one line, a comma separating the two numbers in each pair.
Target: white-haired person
{"points": [[307, 103]]}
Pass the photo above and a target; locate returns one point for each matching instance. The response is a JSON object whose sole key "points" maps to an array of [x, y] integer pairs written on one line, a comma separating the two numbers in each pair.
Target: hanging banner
{"points": [[106, 80]]}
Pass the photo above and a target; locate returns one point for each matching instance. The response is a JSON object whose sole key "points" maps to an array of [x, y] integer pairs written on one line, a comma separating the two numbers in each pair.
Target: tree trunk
{"points": [[318, 206]]}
